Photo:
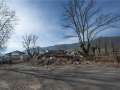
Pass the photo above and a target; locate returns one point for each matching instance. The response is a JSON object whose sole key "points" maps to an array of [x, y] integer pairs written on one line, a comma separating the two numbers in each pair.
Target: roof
{"points": [[16, 52]]}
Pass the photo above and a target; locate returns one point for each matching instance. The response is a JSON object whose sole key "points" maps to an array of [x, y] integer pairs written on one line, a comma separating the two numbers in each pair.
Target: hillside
{"points": [[108, 41], [101, 41], [63, 46]]}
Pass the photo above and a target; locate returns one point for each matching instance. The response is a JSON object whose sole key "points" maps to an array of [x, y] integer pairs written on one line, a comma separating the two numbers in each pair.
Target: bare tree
{"points": [[29, 43], [7, 18], [86, 20]]}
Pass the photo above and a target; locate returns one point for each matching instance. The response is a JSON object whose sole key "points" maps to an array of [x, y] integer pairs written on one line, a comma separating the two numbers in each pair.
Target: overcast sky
{"points": [[43, 18]]}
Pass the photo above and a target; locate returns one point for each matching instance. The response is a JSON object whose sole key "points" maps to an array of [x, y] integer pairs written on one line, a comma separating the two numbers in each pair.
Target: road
{"points": [[69, 77]]}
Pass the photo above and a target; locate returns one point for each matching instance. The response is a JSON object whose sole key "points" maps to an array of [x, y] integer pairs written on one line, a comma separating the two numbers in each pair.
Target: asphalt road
{"points": [[70, 77]]}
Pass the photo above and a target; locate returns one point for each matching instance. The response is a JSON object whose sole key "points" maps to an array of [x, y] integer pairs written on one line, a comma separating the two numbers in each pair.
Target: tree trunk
{"points": [[85, 49]]}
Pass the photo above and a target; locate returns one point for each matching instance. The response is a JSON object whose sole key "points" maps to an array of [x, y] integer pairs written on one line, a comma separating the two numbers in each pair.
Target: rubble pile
{"points": [[57, 59]]}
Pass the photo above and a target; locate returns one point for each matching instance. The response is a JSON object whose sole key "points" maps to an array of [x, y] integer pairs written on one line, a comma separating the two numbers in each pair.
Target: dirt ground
{"points": [[67, 77]]}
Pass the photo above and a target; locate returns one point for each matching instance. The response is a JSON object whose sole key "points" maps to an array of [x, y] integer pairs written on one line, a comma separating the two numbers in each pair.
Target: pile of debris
{"points": [[57, 58]]}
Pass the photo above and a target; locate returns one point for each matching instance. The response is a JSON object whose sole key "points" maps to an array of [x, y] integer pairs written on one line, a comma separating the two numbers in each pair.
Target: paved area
{"points": [[69, 77]]}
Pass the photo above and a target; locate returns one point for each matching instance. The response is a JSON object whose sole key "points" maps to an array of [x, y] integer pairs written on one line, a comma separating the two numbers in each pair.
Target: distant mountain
{"points": [[101, 41], [109, 41], [62, 46]]}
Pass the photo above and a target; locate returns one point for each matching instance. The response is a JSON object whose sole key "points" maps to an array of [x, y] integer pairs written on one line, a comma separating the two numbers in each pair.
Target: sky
{"points": [[43, 18]]}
